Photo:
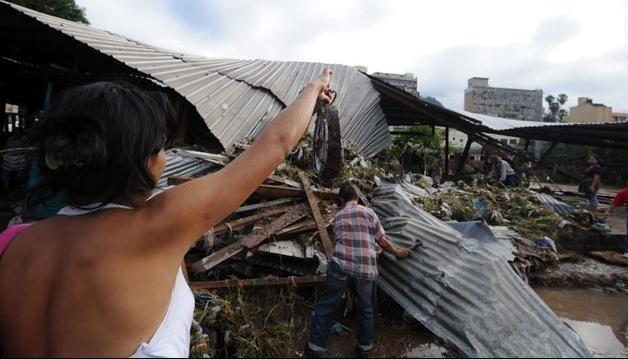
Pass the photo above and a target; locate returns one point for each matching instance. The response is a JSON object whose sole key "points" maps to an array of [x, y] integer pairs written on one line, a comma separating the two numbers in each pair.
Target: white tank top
{"points": [[172, 337]]}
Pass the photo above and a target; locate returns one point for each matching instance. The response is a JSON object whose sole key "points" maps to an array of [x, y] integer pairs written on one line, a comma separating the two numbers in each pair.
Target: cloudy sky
{"points": [[560, 46]]}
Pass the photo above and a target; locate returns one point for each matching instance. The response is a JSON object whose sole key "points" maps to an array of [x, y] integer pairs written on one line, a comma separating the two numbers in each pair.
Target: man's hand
{"points": [[591, 189], [402, 253]]}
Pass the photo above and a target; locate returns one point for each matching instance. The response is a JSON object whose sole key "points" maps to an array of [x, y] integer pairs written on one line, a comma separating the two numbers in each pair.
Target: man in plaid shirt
{"points": [[358, 232]]}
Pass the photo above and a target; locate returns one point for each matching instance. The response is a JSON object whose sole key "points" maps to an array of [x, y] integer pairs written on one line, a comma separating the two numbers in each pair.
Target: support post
{"points": [[446, 174], [465, 156], [547, 153]]}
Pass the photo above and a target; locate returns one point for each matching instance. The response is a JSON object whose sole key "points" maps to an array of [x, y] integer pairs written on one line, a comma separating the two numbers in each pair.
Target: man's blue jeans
{"points": [[336, 284]]}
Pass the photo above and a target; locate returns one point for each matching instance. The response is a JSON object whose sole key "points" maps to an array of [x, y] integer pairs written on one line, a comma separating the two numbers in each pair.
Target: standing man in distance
{"points": [[358, 231]]}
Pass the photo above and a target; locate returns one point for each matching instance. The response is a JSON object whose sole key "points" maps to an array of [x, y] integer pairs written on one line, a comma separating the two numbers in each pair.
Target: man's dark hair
{"points": [[347, 192], [95, 143]]}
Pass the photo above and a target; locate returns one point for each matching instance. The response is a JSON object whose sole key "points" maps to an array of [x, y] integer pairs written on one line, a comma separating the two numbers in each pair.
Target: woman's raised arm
{"points": [[178, 217]]}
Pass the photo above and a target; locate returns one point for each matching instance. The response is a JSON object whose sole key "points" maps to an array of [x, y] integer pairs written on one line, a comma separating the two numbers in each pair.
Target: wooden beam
{"points": [[252, 207], [297, 228], [291, 214], [270, 191], [257, 237], [548, 152], [465, 156], [316, 213], [259, 282], [246, 221], [216, 258], [361, 196]]}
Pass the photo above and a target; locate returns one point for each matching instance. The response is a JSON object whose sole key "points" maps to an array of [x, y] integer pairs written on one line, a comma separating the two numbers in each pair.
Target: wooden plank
{"points": [[297, 228], [270, 191], [257, 237], [291, 215], [361, 196], [260, 282], [316, 213], [246, 221], [216, 258], [284, 181], [261, 205]]}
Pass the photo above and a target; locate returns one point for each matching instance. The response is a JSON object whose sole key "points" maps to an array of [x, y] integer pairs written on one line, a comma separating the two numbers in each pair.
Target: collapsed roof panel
{"points": [[463, 292], [235, 97]]}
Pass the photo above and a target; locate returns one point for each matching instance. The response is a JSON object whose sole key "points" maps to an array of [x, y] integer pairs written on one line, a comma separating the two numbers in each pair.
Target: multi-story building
{"points": [[406, 82], [518, 104], [588, 111]]}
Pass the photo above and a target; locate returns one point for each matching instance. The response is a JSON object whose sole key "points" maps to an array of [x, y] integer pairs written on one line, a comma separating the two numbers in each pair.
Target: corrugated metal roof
{"points": [[504, 124], [464, 293], [559, 207], [237, 97], [182, 166]]}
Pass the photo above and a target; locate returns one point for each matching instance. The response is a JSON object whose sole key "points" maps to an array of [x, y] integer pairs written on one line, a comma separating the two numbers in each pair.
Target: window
{"points": [[504, 141], [513, 141]]}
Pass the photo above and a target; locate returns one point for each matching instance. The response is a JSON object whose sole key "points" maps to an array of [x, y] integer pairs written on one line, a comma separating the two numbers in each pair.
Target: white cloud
{"points": [[560, 45]]}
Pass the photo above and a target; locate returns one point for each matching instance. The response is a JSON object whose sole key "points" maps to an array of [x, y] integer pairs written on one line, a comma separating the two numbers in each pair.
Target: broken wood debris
{"points": [[320, 223], [259, 282], [259, 234]]}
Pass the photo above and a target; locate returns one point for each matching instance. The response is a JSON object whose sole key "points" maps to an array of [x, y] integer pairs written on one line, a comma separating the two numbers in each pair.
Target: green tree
{"points": [[66, 9], [419, 141], [555, 112]]}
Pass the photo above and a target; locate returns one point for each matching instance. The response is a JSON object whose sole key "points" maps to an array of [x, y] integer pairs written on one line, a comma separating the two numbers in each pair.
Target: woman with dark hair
{"points": [[591, 180], [103, 277]]}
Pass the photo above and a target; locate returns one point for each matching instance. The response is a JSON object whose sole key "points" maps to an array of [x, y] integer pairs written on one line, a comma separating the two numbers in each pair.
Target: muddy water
{"points": [[600, 319]]}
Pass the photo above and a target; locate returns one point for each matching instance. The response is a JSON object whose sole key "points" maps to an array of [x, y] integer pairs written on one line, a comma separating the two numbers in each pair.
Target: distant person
{"points": [[103, 278], [502, 172], [621, 200], [358, 232], [591, 181], [15, 164]]}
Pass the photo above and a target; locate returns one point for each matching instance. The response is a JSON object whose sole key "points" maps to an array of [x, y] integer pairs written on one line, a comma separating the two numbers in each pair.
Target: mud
{"points": [[396, 338], [583, 272], [600, 318]]}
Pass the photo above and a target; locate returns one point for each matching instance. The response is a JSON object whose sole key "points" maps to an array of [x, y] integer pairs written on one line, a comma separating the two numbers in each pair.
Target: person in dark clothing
{"points": [[591, 181]]}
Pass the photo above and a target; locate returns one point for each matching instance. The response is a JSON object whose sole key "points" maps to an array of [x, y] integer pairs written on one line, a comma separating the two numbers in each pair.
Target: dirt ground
{"points": [[394, 338]]}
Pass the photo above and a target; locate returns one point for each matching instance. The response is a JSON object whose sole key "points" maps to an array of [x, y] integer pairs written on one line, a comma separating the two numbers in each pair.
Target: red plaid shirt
{"points": [[357, 230]]}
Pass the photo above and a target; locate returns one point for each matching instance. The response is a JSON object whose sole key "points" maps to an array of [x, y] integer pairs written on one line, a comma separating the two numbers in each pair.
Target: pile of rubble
{"points": [[277, 240], [280, 239]]}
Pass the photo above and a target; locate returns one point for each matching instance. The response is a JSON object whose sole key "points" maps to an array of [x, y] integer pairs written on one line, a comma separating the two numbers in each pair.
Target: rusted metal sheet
{"points": [[316, 213], [261, 282]]}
